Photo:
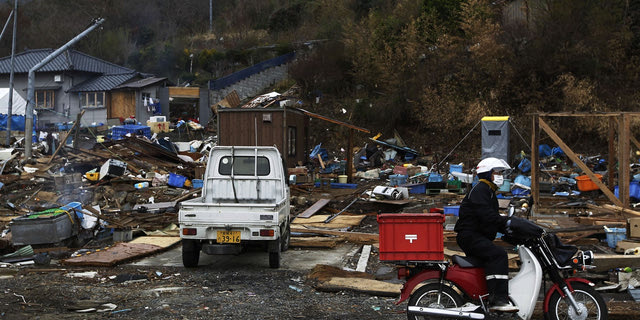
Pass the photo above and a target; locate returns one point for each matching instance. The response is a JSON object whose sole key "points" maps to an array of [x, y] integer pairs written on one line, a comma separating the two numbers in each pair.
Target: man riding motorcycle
{"points": [[477, 226]]}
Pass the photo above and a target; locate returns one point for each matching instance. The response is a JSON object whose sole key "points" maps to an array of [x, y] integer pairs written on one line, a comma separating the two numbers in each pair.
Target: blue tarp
{"points": [[17, 122]]}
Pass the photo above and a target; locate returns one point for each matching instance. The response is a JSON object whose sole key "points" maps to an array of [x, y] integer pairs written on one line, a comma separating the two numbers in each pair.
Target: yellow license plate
{"points": [[228, 236]]}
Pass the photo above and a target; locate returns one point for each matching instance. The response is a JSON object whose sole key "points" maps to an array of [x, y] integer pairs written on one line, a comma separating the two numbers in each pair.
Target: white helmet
{"points": [[491, 163]]}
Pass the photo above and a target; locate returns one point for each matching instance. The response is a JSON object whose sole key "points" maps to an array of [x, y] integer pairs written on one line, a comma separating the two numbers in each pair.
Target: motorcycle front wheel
{"points": [[591, 305], [427, 296]]}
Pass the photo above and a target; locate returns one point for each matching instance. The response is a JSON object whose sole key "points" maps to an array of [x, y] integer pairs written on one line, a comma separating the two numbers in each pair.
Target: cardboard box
{"points": [[157, 127], [633, 227]]}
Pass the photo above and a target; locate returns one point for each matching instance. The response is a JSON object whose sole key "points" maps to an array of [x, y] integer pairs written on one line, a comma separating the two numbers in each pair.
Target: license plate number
{"points": [[228, 236]]}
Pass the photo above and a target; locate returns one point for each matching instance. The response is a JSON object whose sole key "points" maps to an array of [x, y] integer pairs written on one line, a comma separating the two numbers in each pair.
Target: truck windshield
{"points": [[244, 166]]}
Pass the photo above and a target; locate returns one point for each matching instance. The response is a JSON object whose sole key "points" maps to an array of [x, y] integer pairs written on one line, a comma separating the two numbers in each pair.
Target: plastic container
{"points": [[176, 180], [342, 179], [120, 132], [435, 177], [197, 183], [506, 186], [397, 179], [411, 236], [585, 184], [141, 185], [452, 210], [455, 168], [416, 188], [614, 235], [41, 230]]}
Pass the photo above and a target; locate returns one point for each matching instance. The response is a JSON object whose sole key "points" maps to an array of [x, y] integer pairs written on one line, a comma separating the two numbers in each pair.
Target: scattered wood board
{"points": [[123, 252], [316, 242], [160, 241], [355, 237], [339, 222], [323, 272], [604, 262], [118, 253], [369, 286], [364, 258], [314, 208]]}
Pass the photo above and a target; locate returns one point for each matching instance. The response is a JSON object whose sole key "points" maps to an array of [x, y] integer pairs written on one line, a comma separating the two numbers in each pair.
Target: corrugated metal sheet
{"points": [[103, 83], [70, 60], [141, 83]]}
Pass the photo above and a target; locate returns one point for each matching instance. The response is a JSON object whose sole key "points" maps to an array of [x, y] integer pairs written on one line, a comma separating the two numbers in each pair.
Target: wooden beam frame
{"points": [[616, 119], [544, 126]]}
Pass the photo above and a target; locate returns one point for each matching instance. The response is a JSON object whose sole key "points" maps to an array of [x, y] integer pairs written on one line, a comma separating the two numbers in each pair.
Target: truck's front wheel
{"points": [[190, 253]]}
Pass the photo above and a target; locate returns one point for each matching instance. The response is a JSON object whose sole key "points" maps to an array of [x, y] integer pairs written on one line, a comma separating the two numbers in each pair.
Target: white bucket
{"points": [[342, 179]]}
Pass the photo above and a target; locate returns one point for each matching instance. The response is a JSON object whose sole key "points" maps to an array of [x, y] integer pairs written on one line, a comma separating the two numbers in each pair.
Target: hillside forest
{"points": [[429, 69]]}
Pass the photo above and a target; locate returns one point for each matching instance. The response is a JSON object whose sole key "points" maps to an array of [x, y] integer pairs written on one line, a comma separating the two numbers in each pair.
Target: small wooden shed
{"points": [[286, 128]]}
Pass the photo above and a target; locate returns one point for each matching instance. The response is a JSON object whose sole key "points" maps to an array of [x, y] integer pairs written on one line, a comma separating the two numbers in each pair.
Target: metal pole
{"points": [[28, 126], [6, 24], [13, 53], [210, 16]]}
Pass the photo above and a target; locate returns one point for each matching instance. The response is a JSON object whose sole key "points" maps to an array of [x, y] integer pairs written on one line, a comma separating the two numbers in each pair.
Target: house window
{"points": [[45, 99], [291, 141], [92, 99]]}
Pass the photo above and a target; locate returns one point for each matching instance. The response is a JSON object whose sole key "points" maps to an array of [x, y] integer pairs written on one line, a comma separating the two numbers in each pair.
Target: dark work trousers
{"points": [[494, 261]]}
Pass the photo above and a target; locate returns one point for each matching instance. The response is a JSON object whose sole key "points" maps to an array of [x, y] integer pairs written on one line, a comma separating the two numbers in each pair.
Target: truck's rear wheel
{"points": [[190, 253], [274, 254], [286, 238]]}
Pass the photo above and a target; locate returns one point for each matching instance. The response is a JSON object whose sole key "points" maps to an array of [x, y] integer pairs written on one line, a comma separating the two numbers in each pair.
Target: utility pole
{"points": [[28, 117], [210, 16], [13, 53]]}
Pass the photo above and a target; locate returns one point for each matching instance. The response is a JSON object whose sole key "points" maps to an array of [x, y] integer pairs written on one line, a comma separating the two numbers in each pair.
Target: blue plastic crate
{"points": [[453, 210], [455, 168], [197, 183], [614, 235], [120, 132], [416, 188], [176, 180]]}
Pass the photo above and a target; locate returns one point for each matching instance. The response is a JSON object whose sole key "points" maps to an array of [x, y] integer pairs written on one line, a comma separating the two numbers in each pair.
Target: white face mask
{"points": [[498, 180]]}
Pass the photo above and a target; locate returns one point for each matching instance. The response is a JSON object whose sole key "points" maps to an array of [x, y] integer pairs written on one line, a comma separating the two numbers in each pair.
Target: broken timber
{"points": [[355, 237], [314, 208]]}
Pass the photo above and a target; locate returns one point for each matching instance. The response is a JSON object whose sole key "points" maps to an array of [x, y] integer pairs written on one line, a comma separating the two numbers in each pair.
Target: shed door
{"points": [[123, 105]]}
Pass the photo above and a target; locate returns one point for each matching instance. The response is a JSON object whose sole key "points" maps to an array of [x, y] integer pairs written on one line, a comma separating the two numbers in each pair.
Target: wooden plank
{"points": [[64, 139], [314, 208], [368, 286], [184, 92], [604, 262], [160, 241], [579, 163], [339, 222], [535, 160], [315, 242], [623, 161], [364, 258], [355, 237], [118, 253]]}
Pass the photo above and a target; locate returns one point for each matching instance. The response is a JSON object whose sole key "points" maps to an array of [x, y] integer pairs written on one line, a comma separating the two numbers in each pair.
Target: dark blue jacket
{"points": [[479, 211]]}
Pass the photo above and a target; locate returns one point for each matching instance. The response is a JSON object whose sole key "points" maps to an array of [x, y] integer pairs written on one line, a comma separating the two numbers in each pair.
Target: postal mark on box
{"points": [[411, 237]]}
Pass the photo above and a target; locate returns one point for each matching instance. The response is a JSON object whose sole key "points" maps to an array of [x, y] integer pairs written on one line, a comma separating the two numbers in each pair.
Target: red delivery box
{"points": [[411, 236]]}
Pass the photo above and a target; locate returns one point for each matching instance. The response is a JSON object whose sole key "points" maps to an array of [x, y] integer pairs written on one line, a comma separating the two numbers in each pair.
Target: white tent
{"points": [[19, 104]]}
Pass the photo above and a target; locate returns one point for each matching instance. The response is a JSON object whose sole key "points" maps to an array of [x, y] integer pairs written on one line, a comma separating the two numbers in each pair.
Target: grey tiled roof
{"points": [[104, 82], [67, 61]]}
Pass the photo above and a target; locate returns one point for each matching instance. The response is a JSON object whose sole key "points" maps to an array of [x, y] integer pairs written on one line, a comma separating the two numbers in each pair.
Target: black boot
{"points": [[499, 296]]}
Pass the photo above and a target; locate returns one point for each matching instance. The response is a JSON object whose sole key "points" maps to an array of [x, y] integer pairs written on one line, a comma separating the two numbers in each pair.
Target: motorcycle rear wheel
{"points": [[427, 296], [587, 298]]}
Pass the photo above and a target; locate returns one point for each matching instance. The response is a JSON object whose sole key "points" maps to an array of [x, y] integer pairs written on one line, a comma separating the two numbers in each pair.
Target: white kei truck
{"points": [[244, 201]]}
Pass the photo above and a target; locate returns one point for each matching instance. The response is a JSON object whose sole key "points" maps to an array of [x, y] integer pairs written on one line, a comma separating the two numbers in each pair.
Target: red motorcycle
{"points": [[457, 289]]}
